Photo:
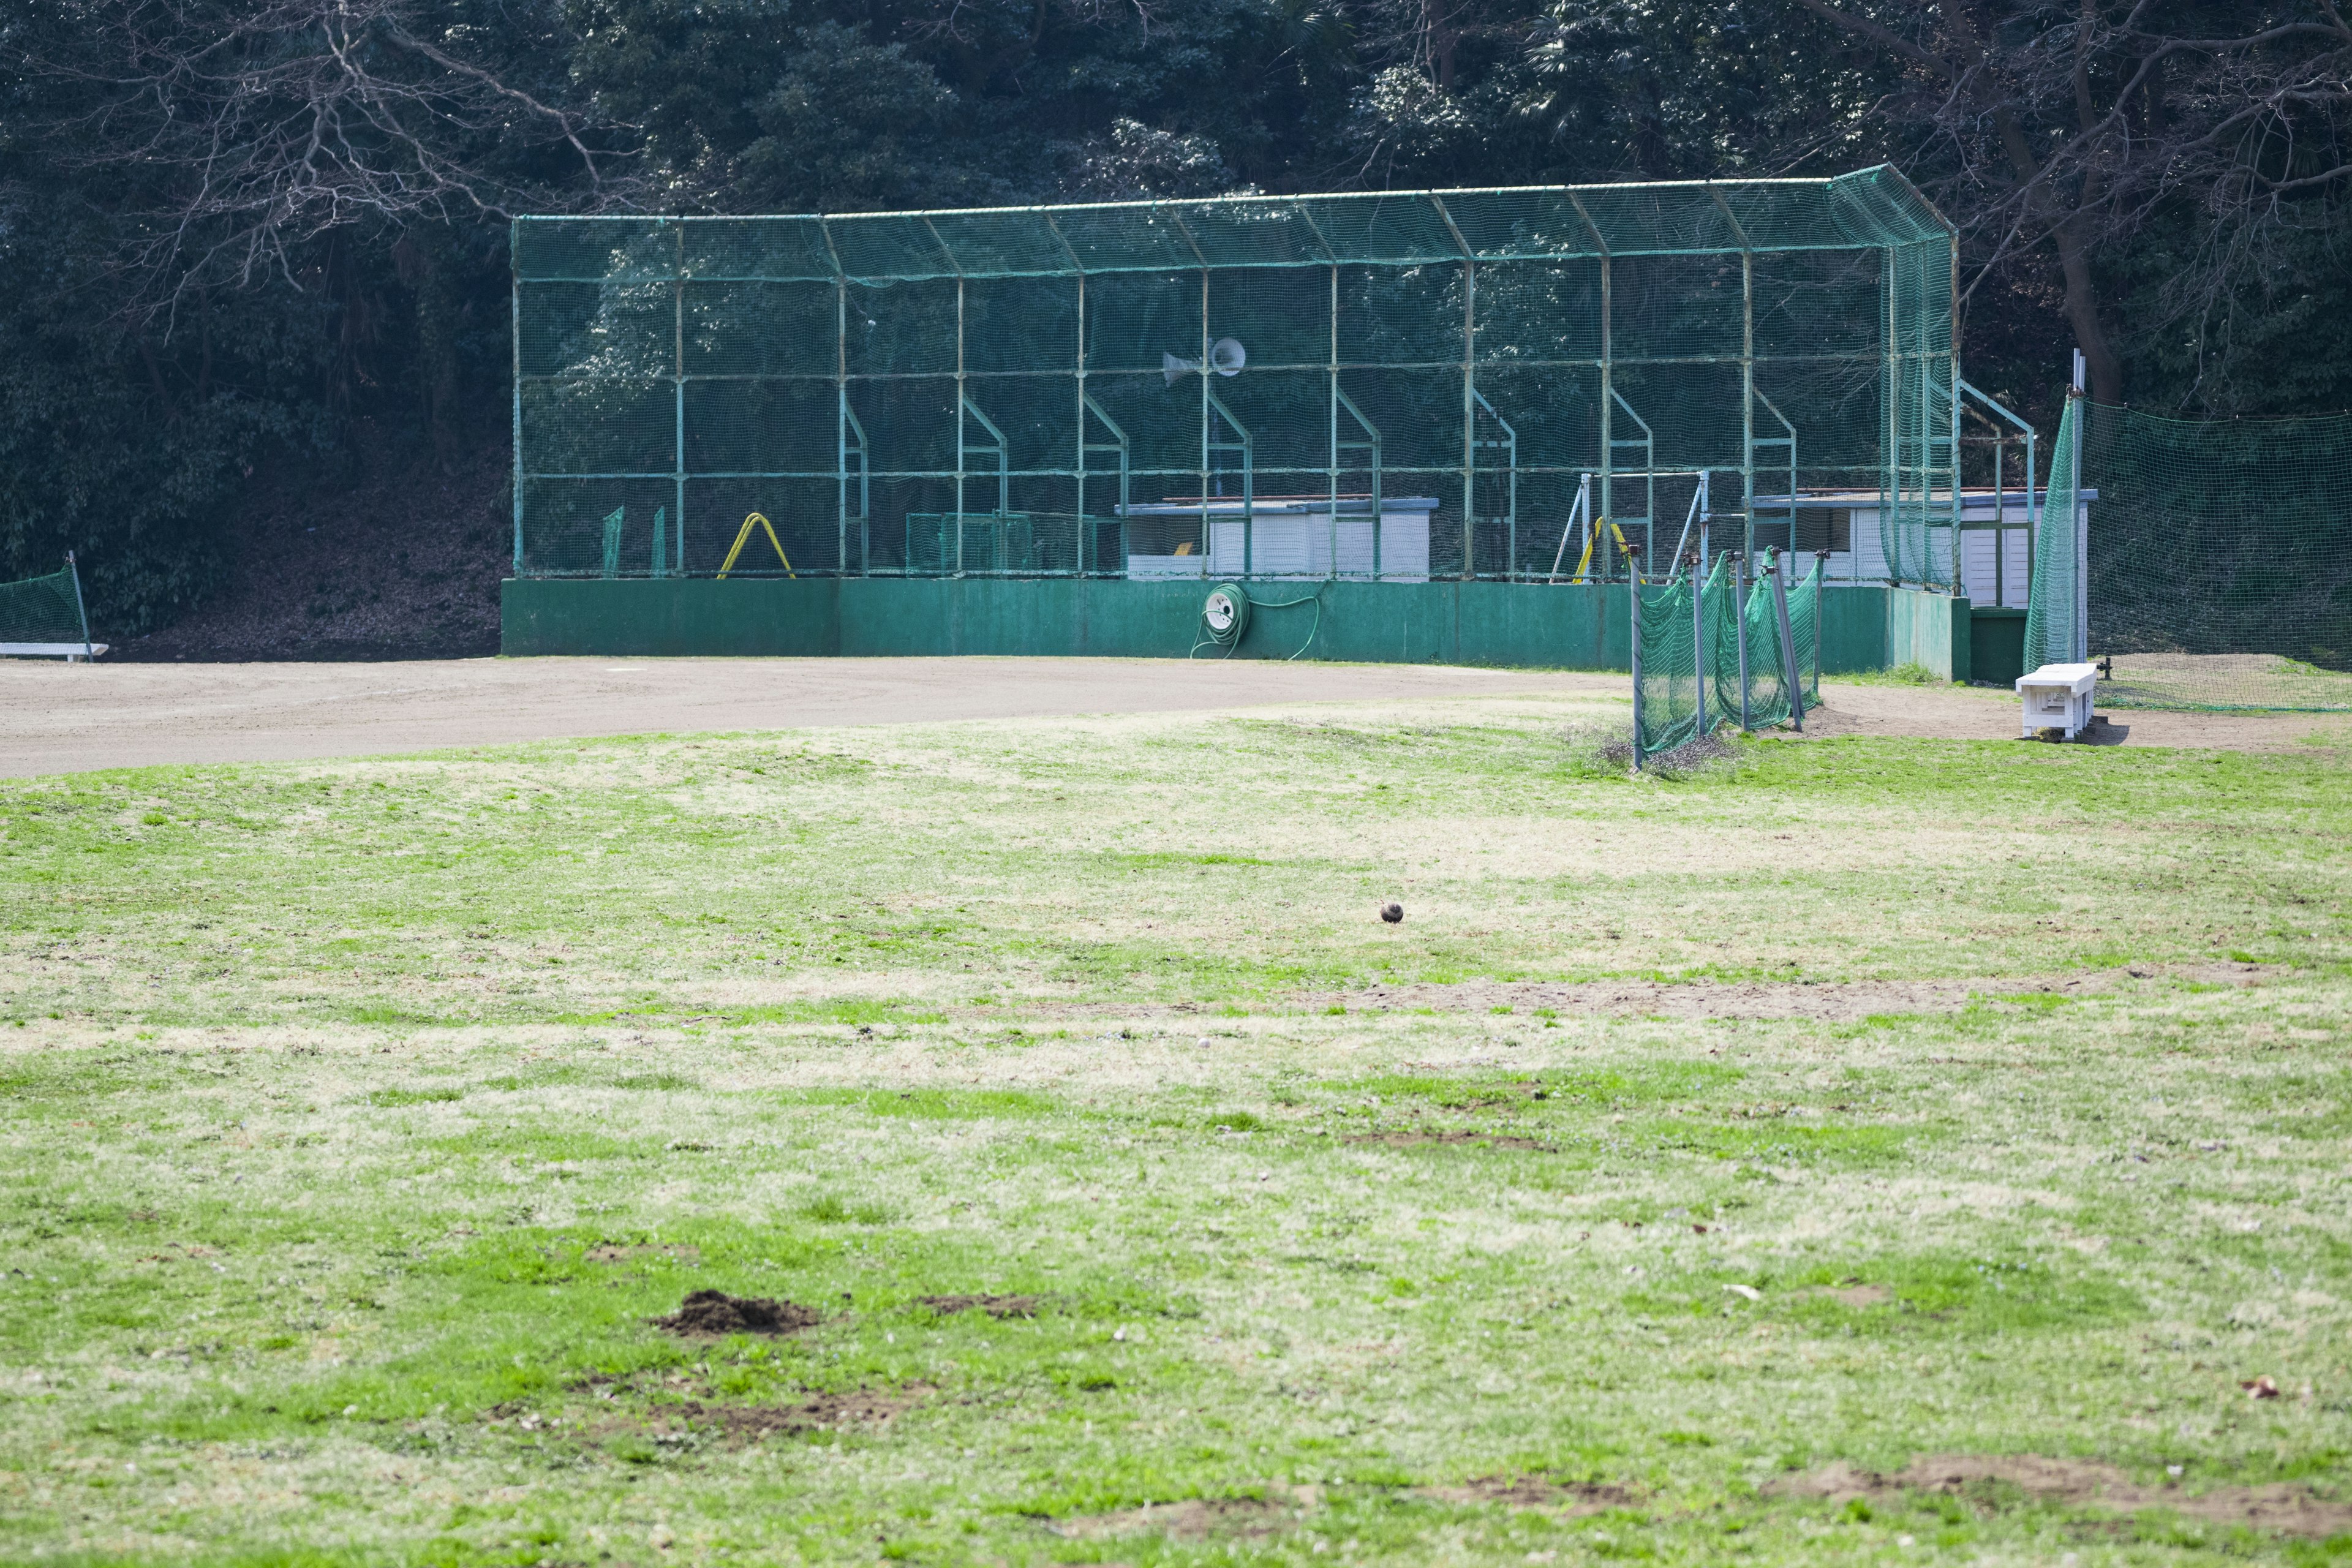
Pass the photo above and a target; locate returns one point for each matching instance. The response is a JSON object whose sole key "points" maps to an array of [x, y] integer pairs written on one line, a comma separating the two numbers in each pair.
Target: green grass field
{"points": [[1859, 1151]]}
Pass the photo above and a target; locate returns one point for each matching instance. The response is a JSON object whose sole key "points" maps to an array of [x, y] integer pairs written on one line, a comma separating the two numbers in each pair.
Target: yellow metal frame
{"points": [[743, 536], [1583, 561]]}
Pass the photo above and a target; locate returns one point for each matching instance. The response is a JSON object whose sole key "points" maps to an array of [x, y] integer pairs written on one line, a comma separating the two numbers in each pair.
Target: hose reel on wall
{"points": [[1225, 618]]}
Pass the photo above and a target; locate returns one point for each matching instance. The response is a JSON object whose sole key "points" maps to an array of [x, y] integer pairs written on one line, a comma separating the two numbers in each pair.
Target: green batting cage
{"points": [[1515, 384]]}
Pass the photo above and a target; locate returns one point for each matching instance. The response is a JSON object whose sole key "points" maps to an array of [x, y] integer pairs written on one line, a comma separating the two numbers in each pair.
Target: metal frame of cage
{"points": [[1617, 480]]}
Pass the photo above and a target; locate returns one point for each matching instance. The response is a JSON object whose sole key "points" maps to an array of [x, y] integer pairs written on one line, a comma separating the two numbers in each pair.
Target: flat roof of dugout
{"points": [[1873, 208]]}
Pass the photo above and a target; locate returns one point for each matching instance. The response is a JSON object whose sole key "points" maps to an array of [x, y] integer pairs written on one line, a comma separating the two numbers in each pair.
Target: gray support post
{"points": [[1208, 430], [962, 414], [80, 609], [1633, 635], [677, 327], [514, 331], [1748, 414], [1600, 522], [1085, 529], [1469, 419], [1739, 621], [841, 427], [2079, 525], [1789, 644], [1699, 650], [1334, 518]]}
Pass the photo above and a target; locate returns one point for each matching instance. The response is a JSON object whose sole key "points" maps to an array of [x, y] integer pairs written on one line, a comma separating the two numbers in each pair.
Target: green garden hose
{"points": [[1225, 618]]}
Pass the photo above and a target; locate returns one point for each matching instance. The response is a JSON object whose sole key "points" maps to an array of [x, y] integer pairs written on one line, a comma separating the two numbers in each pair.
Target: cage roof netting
{"points": [[1870, 209]]}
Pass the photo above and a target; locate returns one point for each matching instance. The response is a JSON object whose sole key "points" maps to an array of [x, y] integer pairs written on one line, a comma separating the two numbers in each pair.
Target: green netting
{"points": [[2053, 610], [2221, 559], [43, 612], [1494, 383], [1805, 633], [1666, 696], [1751, 613]]}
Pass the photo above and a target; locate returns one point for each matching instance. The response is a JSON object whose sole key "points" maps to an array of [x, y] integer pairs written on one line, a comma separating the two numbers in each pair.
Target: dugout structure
{"points": [[1492, 384]]}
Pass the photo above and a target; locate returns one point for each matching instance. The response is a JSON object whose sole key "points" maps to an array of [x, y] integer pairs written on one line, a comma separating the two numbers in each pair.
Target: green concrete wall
{"points": [[1564, 627], [1926, 628], [746, 617], [1995, 646], [1436, 623]]}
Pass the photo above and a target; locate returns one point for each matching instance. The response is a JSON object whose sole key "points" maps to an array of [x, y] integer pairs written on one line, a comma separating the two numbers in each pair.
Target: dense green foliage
{"points": [[233, 232]]}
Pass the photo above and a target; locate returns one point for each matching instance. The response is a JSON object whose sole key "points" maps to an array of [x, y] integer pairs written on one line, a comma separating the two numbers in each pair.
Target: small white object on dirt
{"points": [[1746, 1292], [1204, 1040], [2057, 697]]}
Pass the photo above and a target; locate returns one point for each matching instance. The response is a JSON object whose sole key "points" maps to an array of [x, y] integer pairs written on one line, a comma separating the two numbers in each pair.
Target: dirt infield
{"points": [[57, 718]]}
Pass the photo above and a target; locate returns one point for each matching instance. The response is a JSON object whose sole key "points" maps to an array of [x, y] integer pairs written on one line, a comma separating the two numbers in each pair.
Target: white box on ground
{"points": [[2058, 697]]}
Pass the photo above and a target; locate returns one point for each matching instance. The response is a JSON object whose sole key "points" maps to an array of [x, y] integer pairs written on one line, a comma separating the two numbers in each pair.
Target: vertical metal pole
{"points": [[959, 426], [1747, 411], [1601, 524], [1634, 633], [2081, 522], [1085, 529], [1469, 418], [1334, 401], [1699, 652], [1890, 479], [677, 327], [1207, 548], [841, 421], [80, 609], [1789, 644], [1740, 620], [514, 331]]}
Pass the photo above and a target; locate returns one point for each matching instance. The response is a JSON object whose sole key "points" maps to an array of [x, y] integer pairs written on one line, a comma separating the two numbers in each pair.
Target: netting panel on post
{"points": [[42, 611], [2051, 611], [1489, 384], [2221, 559], [1667, 705]]}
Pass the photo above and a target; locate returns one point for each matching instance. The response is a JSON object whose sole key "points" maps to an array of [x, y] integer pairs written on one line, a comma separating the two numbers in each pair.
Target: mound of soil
{"points": [[712, 1313], [994, 1306]]}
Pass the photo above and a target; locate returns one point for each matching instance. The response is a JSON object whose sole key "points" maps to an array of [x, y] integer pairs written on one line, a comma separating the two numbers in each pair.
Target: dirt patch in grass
{"points": [[738, 1424], [1831, 1002], [619, 1252], [2286, 1508], [711, 1314], [1457, 1135], [1197, 1518], [994, 1306], [1567, 1498]]}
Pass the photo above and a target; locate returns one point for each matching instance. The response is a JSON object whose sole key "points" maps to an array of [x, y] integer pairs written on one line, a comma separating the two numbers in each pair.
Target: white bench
{"points": [[71, 652], [2058, 697]]}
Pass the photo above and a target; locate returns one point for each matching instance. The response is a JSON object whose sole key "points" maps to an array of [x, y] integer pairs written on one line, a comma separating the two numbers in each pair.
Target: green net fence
{"points": [[43, 613], [1733, 638], [2053, 609], [1667, 709], [2219, 560], [1509, 385]]}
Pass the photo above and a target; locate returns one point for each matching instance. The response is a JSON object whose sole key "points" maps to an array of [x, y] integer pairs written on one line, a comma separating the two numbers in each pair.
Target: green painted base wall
{"points": [[1547, 626], [1930, 629], [1995, 646]]}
